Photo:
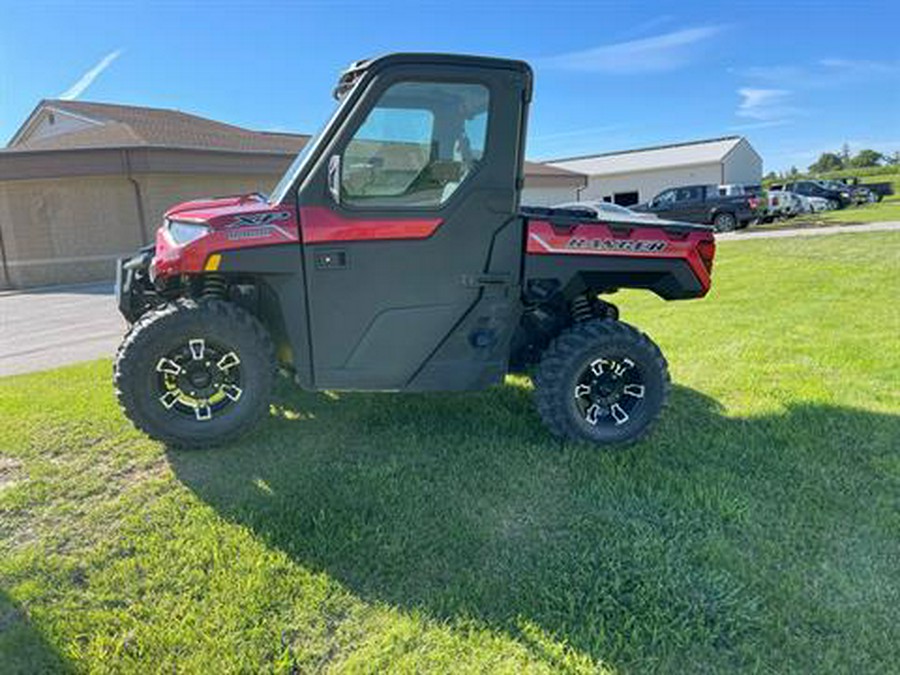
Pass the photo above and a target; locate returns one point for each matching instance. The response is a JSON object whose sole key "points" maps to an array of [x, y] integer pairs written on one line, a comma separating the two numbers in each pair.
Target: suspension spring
{"points": [[214, 287], [581, 309]]}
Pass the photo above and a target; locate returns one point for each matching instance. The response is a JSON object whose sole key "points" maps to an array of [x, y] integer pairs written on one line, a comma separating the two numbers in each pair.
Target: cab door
{"points": [[399, 221], [663, 205]]}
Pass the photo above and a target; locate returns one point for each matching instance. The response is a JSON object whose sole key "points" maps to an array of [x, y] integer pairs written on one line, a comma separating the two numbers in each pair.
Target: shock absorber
{"points": [[580, 309], [214, 287]]}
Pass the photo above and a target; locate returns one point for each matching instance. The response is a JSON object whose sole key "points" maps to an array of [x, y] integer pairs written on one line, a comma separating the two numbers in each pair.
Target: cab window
{"points": [[415, 148], [687, 194], [664, 198]]}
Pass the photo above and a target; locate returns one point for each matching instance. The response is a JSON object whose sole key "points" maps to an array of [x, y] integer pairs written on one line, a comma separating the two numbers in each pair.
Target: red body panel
{"points": [[697, 247], [321, 225], [249, 222], [234, 222], [246, 222]]}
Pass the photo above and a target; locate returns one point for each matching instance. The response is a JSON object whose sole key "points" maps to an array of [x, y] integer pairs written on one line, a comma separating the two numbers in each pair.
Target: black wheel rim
{"points": [[609, 393], [199, 380]]}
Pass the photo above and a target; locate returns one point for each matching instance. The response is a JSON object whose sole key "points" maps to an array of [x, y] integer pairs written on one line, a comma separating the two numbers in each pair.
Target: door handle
{"points": [[332, 259], [487, 279]]}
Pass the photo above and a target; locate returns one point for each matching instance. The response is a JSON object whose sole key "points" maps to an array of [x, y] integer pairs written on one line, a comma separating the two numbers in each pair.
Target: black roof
{"points": [[432, 59]]}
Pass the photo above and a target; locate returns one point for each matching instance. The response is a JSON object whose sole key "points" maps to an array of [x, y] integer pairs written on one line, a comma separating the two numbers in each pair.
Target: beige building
{"points": [[82, 183], [636, 176]]}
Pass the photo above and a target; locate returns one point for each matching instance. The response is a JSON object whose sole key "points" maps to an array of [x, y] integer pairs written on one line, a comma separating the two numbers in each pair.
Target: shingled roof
{"points": [[123, 126], [109, 125]]}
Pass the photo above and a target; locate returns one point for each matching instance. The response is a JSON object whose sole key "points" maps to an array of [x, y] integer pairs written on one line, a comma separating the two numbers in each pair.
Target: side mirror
{"points": [[334, 178]]}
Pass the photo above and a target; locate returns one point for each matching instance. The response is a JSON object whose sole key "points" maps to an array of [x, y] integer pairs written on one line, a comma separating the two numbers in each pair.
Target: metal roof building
{"points": [[636, 176]]}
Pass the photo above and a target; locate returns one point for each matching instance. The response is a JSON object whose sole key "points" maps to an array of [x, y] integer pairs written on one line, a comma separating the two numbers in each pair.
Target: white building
{"points": [[547, 185], [636, 176]]}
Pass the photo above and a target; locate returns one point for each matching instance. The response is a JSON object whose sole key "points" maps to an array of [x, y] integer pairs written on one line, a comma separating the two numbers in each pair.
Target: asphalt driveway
{"points": [[47, 328]]}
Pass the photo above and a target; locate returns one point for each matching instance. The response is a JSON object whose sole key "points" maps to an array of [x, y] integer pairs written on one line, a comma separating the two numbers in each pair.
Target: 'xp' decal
{"points": [[256, 219], [632, 245]]}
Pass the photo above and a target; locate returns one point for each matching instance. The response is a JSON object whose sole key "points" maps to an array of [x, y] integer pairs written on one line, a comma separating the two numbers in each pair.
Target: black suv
{"points": [[837, 199]]}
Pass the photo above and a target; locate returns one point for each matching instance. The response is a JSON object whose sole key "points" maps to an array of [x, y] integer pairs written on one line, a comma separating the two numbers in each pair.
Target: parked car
{"points": [[859, 194], [703, 204], [813, 188], [804, 204], [816, 204], [606, 210], [784, 204]]}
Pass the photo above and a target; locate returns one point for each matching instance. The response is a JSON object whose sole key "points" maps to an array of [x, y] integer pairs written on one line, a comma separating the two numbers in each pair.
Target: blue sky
{"points": [[796, 78]]}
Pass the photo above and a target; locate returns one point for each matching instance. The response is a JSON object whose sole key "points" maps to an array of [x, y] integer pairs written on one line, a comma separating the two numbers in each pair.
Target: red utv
{"points": [[393, 255]]}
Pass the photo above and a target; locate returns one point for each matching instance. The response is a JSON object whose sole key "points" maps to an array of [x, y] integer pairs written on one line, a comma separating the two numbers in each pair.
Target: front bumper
{"points": [[132, 274]]}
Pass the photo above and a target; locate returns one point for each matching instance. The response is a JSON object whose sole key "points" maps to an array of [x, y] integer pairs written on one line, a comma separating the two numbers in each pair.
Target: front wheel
{"points": [[601, 381], [195, 374]]}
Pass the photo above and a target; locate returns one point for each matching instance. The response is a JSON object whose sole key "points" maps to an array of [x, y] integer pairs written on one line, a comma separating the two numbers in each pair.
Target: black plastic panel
{"points": [[669, 278], [405, 313]]}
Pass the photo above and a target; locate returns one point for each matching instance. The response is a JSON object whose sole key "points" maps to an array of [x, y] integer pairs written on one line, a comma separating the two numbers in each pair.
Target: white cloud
{"points": [[759, 125], [824, 74], [762, 104], [88, 78], [857, 68], [653, 54], [645, 27], [765, 108]]}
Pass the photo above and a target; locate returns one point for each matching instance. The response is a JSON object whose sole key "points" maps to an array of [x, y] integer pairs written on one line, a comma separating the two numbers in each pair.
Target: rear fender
{"points": [[673, 262]]}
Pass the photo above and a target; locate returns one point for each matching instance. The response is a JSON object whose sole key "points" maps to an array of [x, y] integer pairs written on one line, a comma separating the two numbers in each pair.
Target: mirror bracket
{"points": [[334, 178]]}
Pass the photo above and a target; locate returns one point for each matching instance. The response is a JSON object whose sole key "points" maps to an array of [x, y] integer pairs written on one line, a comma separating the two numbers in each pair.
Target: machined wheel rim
{"points": [[199, 379], [609, 392]]}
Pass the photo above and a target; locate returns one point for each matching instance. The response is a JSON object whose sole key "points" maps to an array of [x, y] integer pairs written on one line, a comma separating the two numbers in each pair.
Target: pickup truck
{"points": [[878, 191], [703, 204]]}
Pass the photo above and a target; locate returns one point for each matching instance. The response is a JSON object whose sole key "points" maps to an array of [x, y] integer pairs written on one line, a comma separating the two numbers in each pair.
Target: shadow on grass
{"points": [[23, 648], [693, 547]]}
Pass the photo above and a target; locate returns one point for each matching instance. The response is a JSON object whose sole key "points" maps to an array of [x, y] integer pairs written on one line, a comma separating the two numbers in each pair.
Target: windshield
{"points": [[279, 192]]}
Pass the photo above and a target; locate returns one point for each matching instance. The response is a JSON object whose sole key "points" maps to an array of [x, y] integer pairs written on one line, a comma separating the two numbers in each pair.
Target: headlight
{"points": [[184, 233]]}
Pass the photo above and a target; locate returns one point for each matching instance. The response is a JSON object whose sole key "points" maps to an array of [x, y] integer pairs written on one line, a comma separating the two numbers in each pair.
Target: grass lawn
{"points": [[758, 529]]}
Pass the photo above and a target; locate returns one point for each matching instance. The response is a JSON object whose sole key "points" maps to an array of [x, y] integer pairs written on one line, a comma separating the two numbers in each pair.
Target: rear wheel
{"points": [[724, 222], [601, 381], [195, 374]]}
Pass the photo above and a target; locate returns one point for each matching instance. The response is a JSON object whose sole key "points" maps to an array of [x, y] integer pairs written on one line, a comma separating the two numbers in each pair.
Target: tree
{"points": [[866, 158], [828, 161], [771, 176], [845, 153], [793, 172]]}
